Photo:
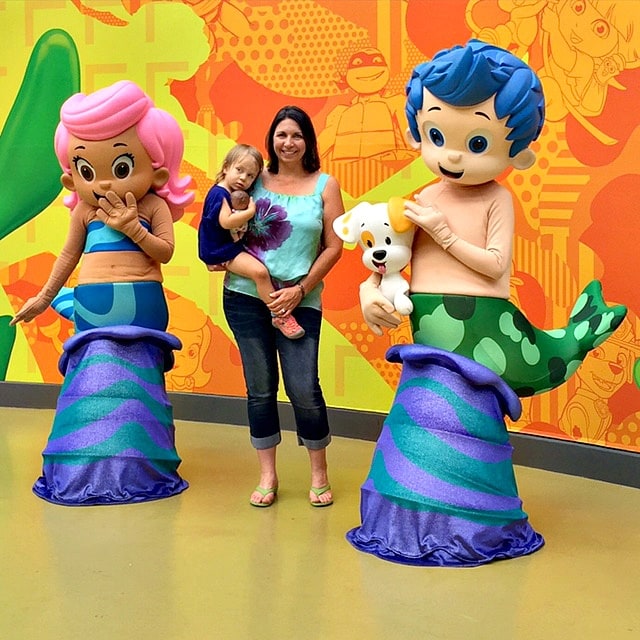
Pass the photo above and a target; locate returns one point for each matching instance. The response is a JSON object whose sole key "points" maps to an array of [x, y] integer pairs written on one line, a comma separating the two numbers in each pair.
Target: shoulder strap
{"points": [[322, 182]]}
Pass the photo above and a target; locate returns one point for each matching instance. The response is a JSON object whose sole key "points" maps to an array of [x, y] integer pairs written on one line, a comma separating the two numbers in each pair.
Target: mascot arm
{"points": [[125, 217], [489, 253], [62, 268]]}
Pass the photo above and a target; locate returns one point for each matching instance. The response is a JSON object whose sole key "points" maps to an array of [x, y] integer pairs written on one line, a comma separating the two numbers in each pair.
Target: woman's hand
{"points": [[285, 300]]}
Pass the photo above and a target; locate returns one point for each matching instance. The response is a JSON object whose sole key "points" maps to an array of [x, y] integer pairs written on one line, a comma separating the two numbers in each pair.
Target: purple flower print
{"points": [[268, 229]]}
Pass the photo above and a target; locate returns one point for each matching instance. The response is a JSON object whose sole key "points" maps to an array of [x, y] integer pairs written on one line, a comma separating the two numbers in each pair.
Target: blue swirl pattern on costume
{"points": [[113, 437], [101, 237], [106, 304], [441, 490]]}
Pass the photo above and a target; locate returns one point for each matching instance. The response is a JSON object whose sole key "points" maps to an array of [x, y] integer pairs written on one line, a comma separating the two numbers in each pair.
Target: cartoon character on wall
{"points": [[369, 127], [192, 326], [385, 235], [587, 416], [442, 468], [587, 44], [120, 157], [25, 142], [518, 33]]}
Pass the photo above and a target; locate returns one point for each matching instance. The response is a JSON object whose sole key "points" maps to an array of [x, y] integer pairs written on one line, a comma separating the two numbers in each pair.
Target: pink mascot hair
{"points": [[110, 111]]}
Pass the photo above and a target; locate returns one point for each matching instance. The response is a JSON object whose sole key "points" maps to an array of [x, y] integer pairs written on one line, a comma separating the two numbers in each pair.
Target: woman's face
{"points": [[288, 142], [119, 164]]}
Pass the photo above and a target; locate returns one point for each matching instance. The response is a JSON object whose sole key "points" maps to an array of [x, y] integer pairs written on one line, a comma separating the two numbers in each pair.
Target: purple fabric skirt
{"points": [[113, 437], [441, 490]]}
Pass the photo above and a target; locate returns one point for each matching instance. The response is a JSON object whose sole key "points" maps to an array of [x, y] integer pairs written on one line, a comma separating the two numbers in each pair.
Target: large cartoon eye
{"points": [[579, 7], [601, 28], [122, 166], [85, 170], [387, 240], [435, 135], [479, 141], [478, 144]]}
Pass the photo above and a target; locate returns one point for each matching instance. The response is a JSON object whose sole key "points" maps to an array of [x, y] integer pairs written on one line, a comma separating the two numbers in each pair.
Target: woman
{"points": [[292, 234]]}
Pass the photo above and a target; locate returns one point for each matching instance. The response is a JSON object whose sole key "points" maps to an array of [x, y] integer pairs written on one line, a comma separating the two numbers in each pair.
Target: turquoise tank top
{"points": [[286, 236]]}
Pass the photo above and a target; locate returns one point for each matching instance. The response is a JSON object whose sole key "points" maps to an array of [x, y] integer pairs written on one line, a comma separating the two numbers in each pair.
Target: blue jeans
{"points": [[260, 345]]}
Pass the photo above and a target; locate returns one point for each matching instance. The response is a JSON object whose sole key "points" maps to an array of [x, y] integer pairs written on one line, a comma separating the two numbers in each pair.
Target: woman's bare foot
{"points": [[263, 496], [321, 496]]}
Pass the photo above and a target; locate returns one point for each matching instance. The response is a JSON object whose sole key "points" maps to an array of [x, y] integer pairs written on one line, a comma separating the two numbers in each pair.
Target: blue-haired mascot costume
{"points": [[441, 490], [113, 437]]}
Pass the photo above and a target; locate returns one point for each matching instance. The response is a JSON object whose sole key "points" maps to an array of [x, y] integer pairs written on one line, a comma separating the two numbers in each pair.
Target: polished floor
{"points": [[207, 566]]}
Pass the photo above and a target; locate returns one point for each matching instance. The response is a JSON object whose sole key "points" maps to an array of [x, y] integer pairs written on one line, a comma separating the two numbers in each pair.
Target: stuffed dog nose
{"points": [[379, 255]]}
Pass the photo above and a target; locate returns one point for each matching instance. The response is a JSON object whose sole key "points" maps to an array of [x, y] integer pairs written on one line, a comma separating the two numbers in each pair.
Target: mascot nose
{"points": [[379, 255]]}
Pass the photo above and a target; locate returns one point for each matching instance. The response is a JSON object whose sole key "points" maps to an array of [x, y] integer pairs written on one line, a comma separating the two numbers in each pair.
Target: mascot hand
{"points": [[30, 309], [431, 220], [376, 309], [122, 216]]}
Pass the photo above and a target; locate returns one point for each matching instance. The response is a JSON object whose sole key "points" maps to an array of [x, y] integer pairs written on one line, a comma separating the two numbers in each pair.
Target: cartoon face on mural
{"points": [[588, 43]]}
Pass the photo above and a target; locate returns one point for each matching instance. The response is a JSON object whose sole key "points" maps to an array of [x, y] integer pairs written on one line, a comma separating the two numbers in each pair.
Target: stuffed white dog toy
{"points": [[385, 236]]}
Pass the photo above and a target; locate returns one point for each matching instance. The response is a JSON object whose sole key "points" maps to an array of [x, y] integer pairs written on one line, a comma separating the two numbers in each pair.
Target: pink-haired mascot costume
{"points": [[112, 439]]}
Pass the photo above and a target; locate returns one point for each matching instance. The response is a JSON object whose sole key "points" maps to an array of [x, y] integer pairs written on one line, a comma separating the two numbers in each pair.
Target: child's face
{"points": [[465, 145], [241, 175], [119, 164]]}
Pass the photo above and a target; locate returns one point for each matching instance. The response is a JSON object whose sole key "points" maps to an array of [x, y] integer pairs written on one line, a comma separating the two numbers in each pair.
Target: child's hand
{"points": [[120, 215]]}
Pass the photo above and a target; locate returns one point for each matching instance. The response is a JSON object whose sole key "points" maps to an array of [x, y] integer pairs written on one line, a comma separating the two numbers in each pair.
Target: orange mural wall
{"points": [[224, 67]]}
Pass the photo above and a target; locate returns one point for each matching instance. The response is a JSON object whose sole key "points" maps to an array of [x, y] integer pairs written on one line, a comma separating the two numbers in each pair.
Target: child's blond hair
{"points": [[235, 155]]}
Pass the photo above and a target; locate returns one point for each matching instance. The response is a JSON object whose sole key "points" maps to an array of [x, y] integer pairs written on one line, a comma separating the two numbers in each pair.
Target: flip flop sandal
{"points": [[264, 493], [318, 491]]}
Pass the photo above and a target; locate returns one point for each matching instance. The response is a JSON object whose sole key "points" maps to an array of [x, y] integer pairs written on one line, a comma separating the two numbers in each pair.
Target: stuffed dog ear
{"points": [[347, 226], [399, 222]]}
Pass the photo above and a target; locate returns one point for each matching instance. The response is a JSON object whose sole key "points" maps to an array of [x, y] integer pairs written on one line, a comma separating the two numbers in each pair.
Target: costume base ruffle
{"points": [[113, 437], [441, 490]]}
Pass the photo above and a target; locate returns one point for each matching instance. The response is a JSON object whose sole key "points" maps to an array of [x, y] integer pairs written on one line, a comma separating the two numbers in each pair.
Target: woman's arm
{"points": [[331, 244]]}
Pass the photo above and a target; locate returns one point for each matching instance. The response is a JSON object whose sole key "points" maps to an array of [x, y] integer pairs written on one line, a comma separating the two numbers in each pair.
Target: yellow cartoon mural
{"points": [[222, 68]]}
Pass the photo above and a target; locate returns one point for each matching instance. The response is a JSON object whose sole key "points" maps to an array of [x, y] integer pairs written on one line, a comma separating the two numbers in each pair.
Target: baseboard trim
{"points": [[562, 456]]}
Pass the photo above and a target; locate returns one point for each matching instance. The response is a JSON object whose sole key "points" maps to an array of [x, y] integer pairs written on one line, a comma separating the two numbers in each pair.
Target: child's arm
{"points": [[231, 219]]}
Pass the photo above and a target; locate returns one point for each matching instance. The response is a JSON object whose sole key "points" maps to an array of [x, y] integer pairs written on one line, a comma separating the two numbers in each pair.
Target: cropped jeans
{"points": [[260, 346]]}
